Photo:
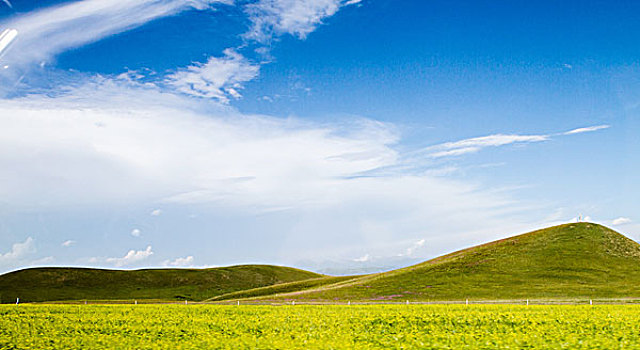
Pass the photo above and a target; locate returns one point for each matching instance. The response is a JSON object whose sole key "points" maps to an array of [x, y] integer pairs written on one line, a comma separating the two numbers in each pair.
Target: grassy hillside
{"points": [[48, 284], [567, 261], [289, 287]]}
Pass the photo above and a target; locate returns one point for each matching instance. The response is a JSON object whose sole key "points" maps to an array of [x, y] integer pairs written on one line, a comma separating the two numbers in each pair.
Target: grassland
{"points": [[52, 284], [318, 327], [580, 260]]}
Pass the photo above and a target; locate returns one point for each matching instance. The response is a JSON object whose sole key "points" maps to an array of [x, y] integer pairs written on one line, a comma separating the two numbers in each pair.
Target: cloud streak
{"points": [[586, 129], [476, 144], [52, 30]]}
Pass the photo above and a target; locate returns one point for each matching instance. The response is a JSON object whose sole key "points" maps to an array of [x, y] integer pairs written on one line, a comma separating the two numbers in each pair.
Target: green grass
{"points": [[53, 284], [580, 260], [289, 287], [319, 327]]}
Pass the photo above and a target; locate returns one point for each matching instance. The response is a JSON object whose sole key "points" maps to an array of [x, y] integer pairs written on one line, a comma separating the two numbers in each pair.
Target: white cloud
{"points": [[620, 221], [476, 144], [7, 3], [156, 212], [68, 243], [295, 17], [18, 252], [109, 144], [131, 257], [587, 129], [414, 247], [218, 78], [179, 262], [52, 30], [363, 258], [352, 2], [135, 232]]}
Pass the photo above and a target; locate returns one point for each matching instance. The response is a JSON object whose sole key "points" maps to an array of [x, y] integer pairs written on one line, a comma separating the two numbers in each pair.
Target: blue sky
{"points": [[339, 136]]}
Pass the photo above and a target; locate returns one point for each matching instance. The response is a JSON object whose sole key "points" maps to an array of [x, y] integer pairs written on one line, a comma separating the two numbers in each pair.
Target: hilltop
{"points": [[53, 284], [566, 261]]}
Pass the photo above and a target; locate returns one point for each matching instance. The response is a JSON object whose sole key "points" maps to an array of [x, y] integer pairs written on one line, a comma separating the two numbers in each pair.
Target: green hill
{"points": [[51, 284], [566, 261], [580, 260]]}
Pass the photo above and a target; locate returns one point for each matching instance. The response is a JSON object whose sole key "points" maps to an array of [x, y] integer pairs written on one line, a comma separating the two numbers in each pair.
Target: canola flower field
{"points": [[318, 327]]}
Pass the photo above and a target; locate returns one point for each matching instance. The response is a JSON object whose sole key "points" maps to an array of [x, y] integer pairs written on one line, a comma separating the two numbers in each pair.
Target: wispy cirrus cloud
{"points": [[586, 129], [473, 145], [477, 144], [52, 30]]}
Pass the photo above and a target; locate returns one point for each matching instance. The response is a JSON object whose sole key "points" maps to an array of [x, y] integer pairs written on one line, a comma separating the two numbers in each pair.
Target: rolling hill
{"points": [[579, 260], [566, 261], [54, 284]]}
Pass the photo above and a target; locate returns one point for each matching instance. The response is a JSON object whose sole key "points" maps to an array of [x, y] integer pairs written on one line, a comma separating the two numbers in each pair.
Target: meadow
{"points": [[319, 327]]}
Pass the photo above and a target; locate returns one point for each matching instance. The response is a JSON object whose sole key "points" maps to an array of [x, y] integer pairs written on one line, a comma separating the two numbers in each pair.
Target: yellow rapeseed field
{"points": [[318, 327]]}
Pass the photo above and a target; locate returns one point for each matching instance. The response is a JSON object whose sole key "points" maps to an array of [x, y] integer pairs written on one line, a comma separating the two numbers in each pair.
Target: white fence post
{"points": [[467, 302], [527, 302]]}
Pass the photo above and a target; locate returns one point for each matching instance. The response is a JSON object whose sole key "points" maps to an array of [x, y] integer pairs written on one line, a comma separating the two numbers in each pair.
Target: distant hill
{"points": [[566, 261], [579, 260], [53, 284]]}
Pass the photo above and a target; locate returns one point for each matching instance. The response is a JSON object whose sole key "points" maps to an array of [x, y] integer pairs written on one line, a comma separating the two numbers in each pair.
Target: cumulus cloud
{"points": [[587, 129], [49, 31], [218, 78], [363, 258], [68, 243], [18, 252], [135, 232], [179, 262], [413, 248], [131, 257], [295, 17], [620, 221]]}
